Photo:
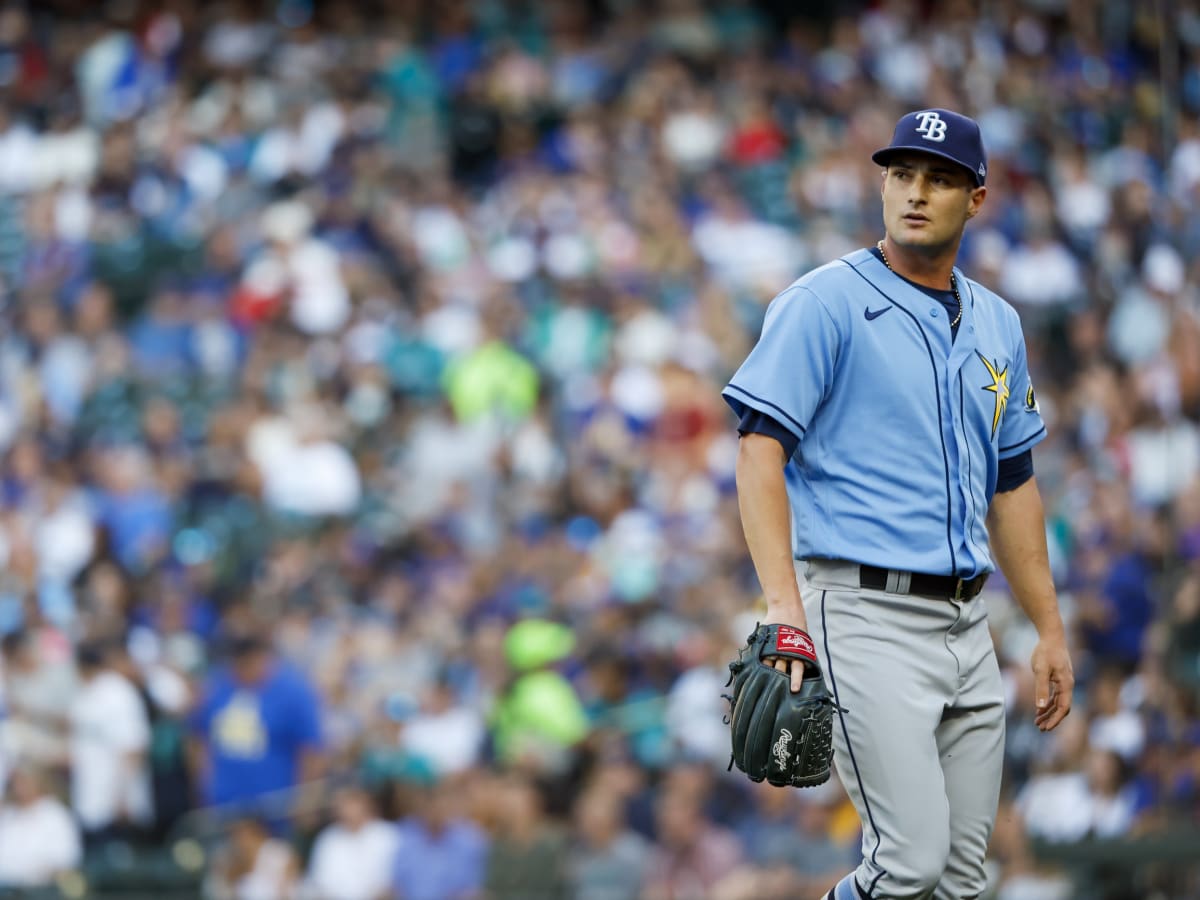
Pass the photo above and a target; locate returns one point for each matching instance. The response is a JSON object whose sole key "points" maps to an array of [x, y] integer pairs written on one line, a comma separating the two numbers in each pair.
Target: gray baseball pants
{"points": [[920, 746]]}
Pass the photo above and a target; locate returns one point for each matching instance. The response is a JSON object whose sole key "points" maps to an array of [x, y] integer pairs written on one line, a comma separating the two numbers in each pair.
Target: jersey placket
{"points": [[930, 319], [937, 328], [971, 462]]}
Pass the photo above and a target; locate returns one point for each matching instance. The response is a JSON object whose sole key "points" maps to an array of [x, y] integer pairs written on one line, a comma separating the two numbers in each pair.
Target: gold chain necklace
{"points": [[953, 286]]}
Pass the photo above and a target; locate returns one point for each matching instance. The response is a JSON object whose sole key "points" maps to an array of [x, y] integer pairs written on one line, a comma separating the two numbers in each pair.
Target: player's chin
{"points": [[916, 232], [925, 239]]}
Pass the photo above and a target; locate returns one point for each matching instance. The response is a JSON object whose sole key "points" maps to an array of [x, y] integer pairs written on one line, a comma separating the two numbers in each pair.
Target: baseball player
{"points": [[887, 421]]}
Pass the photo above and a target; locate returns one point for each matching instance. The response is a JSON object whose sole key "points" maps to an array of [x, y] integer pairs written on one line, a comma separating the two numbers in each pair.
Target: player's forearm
{"points": [[1016, 522], [766, 519]]}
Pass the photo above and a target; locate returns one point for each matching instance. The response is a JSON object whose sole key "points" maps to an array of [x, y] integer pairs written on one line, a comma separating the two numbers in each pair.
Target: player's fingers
{"points": [[1042, 719], [1041, 688], [1054, 716], [1046, 710], [1063, 687], [793, 668], [1060, 713], [1056, 710]]}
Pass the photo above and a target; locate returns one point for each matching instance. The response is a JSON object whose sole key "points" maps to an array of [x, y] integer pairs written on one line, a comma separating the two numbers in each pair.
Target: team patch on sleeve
{"points": [[1031, 403]]}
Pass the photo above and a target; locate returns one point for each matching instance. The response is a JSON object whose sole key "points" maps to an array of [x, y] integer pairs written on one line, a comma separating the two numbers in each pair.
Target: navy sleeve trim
{"points": [[1027, 442], [798, 428], [757, 422], [1014, 472]]}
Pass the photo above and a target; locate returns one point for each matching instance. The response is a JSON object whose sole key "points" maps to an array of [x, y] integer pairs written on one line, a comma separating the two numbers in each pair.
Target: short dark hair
{"points": [[15, 641], [92, 654], [246, 644]]}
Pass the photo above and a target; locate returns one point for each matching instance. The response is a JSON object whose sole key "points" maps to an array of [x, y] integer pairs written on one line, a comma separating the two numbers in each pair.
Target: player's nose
{"points": [[917, 189]]}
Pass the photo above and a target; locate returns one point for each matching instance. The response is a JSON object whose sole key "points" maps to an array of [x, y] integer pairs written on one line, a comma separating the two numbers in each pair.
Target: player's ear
{"points": [[975, 201]]}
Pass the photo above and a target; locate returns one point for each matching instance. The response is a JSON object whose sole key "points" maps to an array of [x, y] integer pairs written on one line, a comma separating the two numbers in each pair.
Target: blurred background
{"points": [[367, 515]]}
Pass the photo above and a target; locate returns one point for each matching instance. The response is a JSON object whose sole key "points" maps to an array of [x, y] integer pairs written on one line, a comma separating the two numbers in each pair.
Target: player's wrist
{"points": [[786, 612], [1051, 629]]}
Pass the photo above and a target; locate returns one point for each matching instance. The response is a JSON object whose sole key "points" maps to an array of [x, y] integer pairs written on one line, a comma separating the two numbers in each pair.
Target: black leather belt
{"points": [[946, 587]]}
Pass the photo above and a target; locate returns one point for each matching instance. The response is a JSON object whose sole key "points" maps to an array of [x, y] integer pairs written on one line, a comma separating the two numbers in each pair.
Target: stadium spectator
{"points": [[792, 844], [1014, 869], [447, 734], [539, 717], [253, 865], [39, 686], [528, 852], [441, 852], [257, 726], [607, 860], [39, 839], [353, 857], [693, 854], [110, 747]]}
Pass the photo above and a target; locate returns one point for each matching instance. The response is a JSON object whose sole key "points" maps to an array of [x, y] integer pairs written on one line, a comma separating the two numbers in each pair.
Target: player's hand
{"points": [[787, 614], [1054, 681]]}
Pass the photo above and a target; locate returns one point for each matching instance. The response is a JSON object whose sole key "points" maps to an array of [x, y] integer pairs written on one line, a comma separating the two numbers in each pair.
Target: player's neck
{"points": [[930, 270]]}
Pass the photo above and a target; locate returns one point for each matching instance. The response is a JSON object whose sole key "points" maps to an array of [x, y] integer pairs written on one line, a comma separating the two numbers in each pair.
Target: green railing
{"points": [[1164, 864]]}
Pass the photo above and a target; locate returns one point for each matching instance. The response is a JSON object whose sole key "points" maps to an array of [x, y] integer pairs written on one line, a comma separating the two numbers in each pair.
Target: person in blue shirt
{"points": [[440, 854], [257, 729], [887, 420]]}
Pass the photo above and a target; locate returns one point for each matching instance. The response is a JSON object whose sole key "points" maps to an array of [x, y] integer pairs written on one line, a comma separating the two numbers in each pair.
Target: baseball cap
{"points": [[943, 133], [534, 643]]}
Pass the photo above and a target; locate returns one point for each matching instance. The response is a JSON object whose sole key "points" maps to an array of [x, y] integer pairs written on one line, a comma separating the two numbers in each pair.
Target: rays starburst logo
{"points": [[999, 387]]}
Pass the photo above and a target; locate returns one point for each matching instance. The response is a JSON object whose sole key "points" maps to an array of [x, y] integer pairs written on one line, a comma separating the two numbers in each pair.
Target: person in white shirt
{"points": [[110, 737], [352, 858], [252, 865], [38, 838], [446, 733], [39, 685]]}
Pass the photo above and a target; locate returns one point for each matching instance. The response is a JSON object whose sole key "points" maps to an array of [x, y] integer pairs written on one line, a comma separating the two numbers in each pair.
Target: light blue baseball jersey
{"points": [[900, 429]]}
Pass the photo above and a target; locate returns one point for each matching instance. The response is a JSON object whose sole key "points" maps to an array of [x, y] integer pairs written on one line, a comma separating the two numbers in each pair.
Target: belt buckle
{"points": [[958, 589]]}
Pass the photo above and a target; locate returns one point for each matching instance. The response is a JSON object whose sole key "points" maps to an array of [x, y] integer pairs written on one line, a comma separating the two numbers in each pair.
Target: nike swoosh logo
{"points": [[874, 314]]}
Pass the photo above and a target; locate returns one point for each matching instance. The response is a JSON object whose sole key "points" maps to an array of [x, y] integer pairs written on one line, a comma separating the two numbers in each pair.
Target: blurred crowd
{"points": [[360, 425]]}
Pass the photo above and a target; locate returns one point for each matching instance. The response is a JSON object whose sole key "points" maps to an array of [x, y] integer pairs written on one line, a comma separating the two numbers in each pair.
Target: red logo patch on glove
{"points": [[795, 641]]}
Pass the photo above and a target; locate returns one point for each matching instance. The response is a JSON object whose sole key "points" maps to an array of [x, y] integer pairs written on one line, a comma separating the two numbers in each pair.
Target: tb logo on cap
{"points": [[932, 127]]}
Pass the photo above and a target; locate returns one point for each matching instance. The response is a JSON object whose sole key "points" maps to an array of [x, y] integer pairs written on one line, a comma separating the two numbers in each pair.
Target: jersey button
{"points": [[933, 312]]}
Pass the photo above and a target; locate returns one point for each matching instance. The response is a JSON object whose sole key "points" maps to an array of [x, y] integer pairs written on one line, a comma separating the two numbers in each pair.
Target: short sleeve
{"points": [[1014, 471], [790, 369], [305, 719], [755, 422], [1022, 426]]}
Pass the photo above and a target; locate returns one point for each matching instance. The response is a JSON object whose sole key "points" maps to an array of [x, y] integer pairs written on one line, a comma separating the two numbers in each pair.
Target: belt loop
{"points": [[958, 588], [904, 582]]}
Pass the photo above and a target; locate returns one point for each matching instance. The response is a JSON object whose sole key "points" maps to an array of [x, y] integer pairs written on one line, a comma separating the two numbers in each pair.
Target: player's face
{"points": [[927, 201]]}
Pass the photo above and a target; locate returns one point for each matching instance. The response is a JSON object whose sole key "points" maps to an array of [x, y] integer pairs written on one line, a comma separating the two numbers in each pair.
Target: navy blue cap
{"points": [[943, 133]]}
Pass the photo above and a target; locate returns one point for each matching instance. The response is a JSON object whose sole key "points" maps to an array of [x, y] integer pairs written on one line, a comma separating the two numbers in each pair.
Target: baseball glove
{"points": [[784, 737]]}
